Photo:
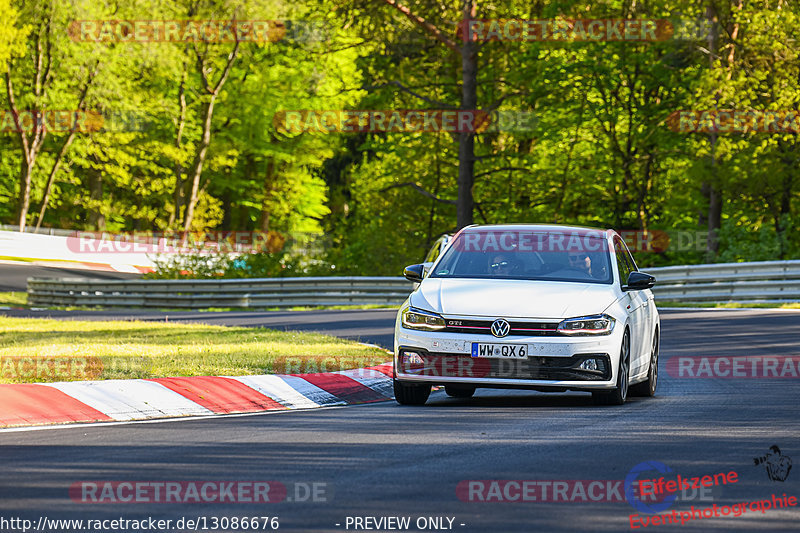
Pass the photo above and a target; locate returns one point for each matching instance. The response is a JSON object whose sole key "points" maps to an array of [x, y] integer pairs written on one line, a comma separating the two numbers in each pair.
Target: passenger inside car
{"points": [[581, 261]]}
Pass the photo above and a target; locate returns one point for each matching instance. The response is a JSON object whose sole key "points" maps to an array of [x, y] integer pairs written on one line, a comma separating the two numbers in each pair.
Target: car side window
{"points": [[629, 257], [434, 252], [623, 265]]}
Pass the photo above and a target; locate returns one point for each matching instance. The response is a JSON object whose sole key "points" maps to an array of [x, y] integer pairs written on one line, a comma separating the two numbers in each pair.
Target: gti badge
{"points": [[500, 328]]}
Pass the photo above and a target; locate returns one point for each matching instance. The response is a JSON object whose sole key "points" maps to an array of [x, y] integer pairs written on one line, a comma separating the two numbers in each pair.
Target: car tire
{"points": [[648, 387], [459, 391], [411, 394], [620, 393]]}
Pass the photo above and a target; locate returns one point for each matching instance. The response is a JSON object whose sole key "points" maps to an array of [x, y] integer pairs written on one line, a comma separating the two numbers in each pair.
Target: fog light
{"points": [[589, 364], [412, 358]]}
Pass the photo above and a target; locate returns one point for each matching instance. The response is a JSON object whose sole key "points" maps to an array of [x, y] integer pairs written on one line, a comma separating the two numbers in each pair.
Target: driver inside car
{"points": [[501, 265]]}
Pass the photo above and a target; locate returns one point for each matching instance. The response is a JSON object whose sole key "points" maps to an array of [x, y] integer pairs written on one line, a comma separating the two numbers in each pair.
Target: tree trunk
{"points": [[468, 52], [644, 188], [202, 149], [714, 195], [197, 165], [432, 215], [466, 139], [178, 198], [52, 177], [96, 217], [65, 147], [263, 221], [784, 211], [31, 146], [714, 219], [30, 150], [24, 200]]}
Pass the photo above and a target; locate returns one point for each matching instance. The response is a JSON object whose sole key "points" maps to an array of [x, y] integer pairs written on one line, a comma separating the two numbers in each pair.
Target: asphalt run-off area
{"points": [[559, 462]]}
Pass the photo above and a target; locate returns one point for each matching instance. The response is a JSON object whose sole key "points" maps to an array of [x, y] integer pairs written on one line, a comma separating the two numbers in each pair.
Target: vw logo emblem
{"points": [[500, 328]]}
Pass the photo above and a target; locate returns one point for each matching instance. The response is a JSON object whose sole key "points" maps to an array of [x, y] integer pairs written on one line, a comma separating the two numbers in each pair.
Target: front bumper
{"points": [[552, 363]]}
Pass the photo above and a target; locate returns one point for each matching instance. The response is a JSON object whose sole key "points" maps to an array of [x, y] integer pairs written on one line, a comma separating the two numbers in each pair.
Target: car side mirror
{"points": [[639, 281], [414, 273]]}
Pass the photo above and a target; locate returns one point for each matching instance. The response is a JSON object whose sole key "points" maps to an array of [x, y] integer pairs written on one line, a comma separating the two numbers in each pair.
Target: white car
{"points": [[548, 308]]}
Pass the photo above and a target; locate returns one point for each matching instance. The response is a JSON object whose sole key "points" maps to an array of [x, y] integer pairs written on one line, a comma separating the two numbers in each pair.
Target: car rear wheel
{"points": [[459, 391], [411, 394], [620, 393], [648, 386]]}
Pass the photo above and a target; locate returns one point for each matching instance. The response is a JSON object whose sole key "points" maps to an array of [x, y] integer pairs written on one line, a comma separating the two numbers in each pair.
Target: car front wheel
{"points": [[620, 393], [411, 394]]}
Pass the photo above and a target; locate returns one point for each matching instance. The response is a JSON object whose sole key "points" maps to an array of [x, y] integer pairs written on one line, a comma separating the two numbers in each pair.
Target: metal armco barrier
{"points": [[771, 281], [764, 281], [199, 294]]}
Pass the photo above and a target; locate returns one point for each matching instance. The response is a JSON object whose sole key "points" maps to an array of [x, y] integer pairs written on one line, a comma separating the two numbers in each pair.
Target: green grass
{"points": [[729, 305], [14, 299], [40, 350], [20, 299]]}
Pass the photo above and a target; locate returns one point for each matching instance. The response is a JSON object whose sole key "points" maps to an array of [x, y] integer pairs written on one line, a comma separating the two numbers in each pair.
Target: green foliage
{"points": [[303, 255], [600, 152], [12, 35]]}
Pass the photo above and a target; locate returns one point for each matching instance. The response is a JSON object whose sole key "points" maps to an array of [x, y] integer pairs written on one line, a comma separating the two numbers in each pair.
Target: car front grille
{"points": [[518, 329], [542, 368]]}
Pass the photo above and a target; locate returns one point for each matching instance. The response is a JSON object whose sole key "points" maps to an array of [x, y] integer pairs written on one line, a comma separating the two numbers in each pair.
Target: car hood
{"points": [[512, 298]]}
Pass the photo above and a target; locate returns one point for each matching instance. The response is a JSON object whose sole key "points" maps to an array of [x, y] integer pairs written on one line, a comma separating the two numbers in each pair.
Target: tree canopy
{"points": [[107, 129]]}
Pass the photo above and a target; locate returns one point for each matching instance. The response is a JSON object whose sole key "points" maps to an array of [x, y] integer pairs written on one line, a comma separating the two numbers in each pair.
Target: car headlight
{"points": [[587, 325], [424, 320]]}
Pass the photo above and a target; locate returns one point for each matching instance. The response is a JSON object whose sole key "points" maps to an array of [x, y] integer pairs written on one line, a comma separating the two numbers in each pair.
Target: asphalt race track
{"points": [[384, 460]]}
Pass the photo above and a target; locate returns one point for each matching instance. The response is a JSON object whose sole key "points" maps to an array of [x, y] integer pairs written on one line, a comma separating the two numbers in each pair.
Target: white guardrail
{"points": [[772, 281]]}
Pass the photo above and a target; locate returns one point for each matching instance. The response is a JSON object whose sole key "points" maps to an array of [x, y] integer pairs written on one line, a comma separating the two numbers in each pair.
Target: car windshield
{"points": [[571, 255]]}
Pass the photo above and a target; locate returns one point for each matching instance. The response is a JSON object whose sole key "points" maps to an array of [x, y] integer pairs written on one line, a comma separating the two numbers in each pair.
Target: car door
{"points": [[648, 323], [634, 303]]}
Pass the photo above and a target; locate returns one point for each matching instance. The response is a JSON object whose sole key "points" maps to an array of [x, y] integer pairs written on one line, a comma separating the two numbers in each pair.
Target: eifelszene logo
{"points": [[632, 480]]}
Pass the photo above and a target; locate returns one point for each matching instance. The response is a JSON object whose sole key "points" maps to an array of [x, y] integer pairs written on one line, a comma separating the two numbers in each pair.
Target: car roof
{"points": [[540, 227]]}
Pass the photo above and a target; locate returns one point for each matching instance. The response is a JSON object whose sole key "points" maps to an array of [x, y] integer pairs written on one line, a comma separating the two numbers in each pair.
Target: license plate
{"points": [[500, 351]]}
